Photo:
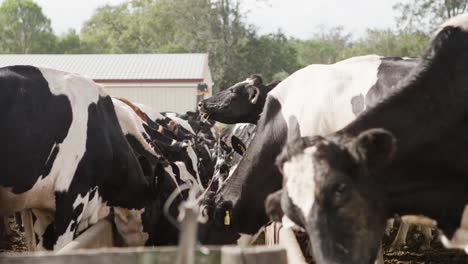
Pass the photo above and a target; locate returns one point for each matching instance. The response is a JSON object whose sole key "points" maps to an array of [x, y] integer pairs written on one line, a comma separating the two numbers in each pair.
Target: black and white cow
{"points": [[177, 140], [232, 144], [406, 155], [64, 154], [240, 103], [318, 99], [152, 227], [203, 129]]}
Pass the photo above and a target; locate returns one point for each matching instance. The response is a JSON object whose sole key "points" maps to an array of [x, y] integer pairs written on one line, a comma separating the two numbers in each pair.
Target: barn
{"points": [[166, 82]]}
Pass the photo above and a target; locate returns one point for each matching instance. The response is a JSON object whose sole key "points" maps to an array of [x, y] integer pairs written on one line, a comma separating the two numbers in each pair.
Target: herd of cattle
{"points": [[335, 150]]}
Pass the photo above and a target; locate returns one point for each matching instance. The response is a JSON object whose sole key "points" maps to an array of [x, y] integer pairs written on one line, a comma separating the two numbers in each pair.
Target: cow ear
{"points": [[257, 79], [238, 145], [254, 93], [273, 206], [375, 147]]}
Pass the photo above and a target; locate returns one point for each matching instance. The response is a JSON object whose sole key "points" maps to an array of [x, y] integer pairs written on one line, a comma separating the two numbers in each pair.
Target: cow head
{"points": [[226, 158], [240, 103], [332, 190]]}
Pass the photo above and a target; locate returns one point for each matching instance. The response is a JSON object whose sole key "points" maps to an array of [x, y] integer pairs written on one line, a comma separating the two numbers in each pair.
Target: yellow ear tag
{"points": [[227, 218], [241, 147]]}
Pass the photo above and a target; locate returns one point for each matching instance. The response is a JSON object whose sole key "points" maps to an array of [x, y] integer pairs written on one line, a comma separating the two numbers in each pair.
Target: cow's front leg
{"points": [[68, 214], [42, 235]]}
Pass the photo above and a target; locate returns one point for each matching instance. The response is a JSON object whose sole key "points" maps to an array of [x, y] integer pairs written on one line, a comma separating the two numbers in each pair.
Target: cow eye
{"points": [[339, 193], [231, 90]]}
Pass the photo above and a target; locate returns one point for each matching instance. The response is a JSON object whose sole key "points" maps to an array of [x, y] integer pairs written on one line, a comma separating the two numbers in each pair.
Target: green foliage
{"points": [[267, 54], [71, 43], [389, 43], [326, 46], [426, 15], [168, 26], [25, 29], [218, 28]]}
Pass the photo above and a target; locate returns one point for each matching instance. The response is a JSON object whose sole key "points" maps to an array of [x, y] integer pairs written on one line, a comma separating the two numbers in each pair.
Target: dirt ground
{"points": [[413, 254], [410, 254]]}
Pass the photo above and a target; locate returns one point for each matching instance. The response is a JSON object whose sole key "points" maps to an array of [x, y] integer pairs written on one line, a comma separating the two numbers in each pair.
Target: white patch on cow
{"points": [[150, 112], [319, 96], [129, 225], [81, 92], [460, 21], [93, 210], [185, 176], [460, 238], [132, 124], [244, 240], [287, 223], [87, 217], [300, 184], [66, 237], [183, 123], [250, 81], [194, 159]]}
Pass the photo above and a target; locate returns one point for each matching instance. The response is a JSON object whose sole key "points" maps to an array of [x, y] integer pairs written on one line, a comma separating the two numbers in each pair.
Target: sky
{"points": [[295, 18]]}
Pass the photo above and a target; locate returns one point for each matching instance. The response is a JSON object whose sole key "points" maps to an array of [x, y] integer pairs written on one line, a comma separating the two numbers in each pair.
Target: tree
{"points": [[25, 29], [315, 51], [388, 43], [71, 43], [326, 46], [106, 29], [158, 26], [426, 15], [268, 55]]}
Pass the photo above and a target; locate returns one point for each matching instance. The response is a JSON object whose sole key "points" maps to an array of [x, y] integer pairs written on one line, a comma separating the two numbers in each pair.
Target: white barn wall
{"points": [[209, 81], [175, 97]]}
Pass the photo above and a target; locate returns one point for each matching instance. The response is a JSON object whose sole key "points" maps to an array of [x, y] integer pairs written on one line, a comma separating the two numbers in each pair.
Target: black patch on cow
{"points": [[33, 120], [391, 70], [176, 172], [65, 213], [234, 105], [146, 160], [49, 237]]}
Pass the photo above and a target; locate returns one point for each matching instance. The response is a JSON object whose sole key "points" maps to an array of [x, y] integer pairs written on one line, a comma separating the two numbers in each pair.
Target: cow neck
{"points": [[427, 116], [256, 176], [427, 102]]}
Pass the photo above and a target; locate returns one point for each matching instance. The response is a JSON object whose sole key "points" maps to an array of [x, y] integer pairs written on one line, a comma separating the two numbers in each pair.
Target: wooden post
{"points": [[272, 233], [289, 241], [254, 255], [188, 232]]}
